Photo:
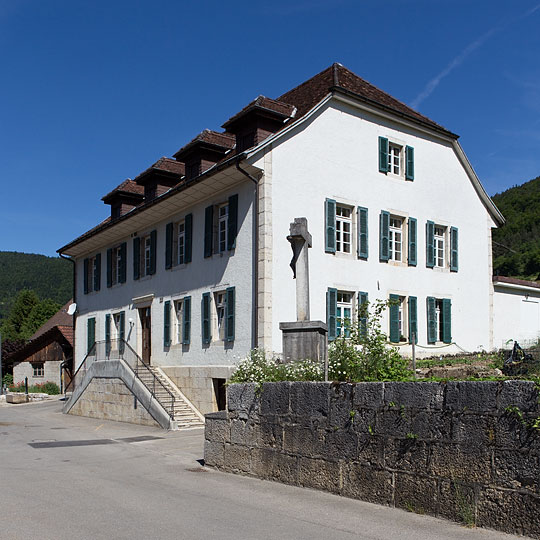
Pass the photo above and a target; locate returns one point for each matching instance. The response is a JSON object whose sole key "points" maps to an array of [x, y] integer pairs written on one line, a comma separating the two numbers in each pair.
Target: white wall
{"points": [[335, 155], [230, 269], [516, 315]]}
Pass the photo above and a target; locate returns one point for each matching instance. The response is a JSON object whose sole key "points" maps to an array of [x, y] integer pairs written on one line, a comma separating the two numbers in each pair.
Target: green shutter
{"points": [[109, 267], [86, 264], [167, 324], [453, 249], [383, 154], [188, 243], [153, 242], [122, 266], [136, 258], [362, 313], [412, 258], [232, 222], [430, 244], [446, 320], [208, 230], [330, 220], [108, 333], [384, 236], [97, 272], [122, 331], [331, 312], [394, 318], [409, 166], [362, 219], [206, 330], [431, 320], [186, 330], [90, 333], [413, 319], [229, 330], [168, 245]]}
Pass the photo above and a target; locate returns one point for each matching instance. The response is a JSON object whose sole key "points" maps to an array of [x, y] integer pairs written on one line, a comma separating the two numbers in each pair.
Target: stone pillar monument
{"points": [[303, 339]]}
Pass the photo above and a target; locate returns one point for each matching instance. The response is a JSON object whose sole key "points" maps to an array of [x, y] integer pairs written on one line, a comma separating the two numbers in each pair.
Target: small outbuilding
{"points": [[48, 355]]}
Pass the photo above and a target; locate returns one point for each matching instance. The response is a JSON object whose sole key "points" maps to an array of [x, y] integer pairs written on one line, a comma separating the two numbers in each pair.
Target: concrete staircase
{"points": [[185, 415]]}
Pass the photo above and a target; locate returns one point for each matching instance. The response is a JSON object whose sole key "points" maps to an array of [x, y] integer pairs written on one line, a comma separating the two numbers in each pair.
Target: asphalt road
{"points": [[64, 477]]}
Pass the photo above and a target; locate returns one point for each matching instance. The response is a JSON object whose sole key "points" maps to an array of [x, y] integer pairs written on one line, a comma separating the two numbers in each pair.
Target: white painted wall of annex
{"points": [[335, 155], [516, 316], [230, 269]]}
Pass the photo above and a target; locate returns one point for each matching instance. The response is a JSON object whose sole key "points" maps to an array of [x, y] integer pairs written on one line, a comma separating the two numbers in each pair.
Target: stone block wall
{"points": [[111, 399], [465, 451]]}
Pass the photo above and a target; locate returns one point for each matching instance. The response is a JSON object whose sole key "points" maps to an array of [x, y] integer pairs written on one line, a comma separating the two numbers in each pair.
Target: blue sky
{"points": [[93, 92]]}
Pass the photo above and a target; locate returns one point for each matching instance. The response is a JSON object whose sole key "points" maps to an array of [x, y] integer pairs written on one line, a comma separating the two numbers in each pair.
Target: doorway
{"points": [[146, 334]]}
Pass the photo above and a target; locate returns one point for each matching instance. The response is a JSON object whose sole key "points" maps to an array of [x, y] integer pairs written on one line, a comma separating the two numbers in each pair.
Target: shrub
{"points": [[47, 388], [7, 380]]}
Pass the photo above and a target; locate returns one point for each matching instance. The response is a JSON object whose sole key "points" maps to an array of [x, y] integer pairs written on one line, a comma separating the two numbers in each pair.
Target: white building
{"points": [[192, 267]]}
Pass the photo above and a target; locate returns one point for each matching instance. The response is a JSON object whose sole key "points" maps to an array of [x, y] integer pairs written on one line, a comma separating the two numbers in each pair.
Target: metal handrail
{"points": [[118, 349]]}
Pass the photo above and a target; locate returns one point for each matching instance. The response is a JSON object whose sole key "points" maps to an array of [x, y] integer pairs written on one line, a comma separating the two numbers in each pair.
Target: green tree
{"points": [[38, 315], [13, 326]]}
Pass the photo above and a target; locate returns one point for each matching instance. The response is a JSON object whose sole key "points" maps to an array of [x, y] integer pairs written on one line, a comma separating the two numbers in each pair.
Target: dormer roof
{"points": [[128, 188], [208, 139], [164, 167], [264, 105]]}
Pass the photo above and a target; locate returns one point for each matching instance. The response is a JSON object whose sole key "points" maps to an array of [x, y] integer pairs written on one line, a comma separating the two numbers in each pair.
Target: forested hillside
{"points": [[49, 277], [516, 245]]}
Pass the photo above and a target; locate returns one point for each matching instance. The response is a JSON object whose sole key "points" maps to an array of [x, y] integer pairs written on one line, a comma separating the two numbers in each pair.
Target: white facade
{"points": [[330, 153], [516, 316]]}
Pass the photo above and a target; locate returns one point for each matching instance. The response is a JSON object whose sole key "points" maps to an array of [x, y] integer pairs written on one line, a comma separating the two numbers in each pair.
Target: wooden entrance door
{"points": [[146, 334]]}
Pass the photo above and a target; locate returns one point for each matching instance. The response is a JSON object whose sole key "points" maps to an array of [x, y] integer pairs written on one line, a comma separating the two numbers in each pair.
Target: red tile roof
{"points": [[68, 333], [263, 103], [212, 138], [305, 96], [163, 164], [60, 318], [516, 281], [127, 187]]}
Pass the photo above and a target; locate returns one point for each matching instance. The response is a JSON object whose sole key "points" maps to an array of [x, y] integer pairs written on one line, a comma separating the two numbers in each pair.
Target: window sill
{"points": [[397, 263]]}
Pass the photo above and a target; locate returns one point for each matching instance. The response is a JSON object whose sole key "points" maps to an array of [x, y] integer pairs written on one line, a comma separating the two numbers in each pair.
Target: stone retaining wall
{"points": [[464, 451], [110, 399]]}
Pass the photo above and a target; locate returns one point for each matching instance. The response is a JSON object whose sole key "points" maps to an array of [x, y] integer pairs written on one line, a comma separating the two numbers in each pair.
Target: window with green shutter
{"points": [[86, 270], [167, 324], [232, 222], [229, 331], [169, 246], [122, 254], [362, 241], [413, 319], [412, 258], [186, 329], [331, 312], [205, 319], [409, 163], [362, 313], [90, 334], [453, 249], [108, 332], [446, 320], [330, 225], [109, 267], [395, 320], [430, 244], [97, 272], [153, 243], [384, 233], [208, 231], [136, 258], [431, 320], [188, 223], [383, 154], [122, 331]]}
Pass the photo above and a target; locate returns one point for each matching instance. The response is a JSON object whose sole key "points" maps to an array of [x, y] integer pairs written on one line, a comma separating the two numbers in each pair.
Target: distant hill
{"points": [[49, 277], [516, 245]]}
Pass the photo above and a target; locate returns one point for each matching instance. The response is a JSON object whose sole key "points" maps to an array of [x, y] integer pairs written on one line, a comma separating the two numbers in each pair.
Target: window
{"points": [[38, 370], [116, 265], [396, 159], [439, 245], [223, 221], [178, 321], [439, 319], [398, 321], [395, 239], [220, 301], [344, 313], [343, 228], [92, 274], [146, 255], [218, 318], [221, 227], [180, 242]]}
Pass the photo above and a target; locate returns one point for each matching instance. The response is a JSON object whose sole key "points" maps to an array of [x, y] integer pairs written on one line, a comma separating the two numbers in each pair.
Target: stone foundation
{"points": [[110, 399], [465, 451]]}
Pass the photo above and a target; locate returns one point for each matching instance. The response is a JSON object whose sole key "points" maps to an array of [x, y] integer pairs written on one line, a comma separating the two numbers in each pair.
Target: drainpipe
{"points": [[255, 338], [75, 314]]}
